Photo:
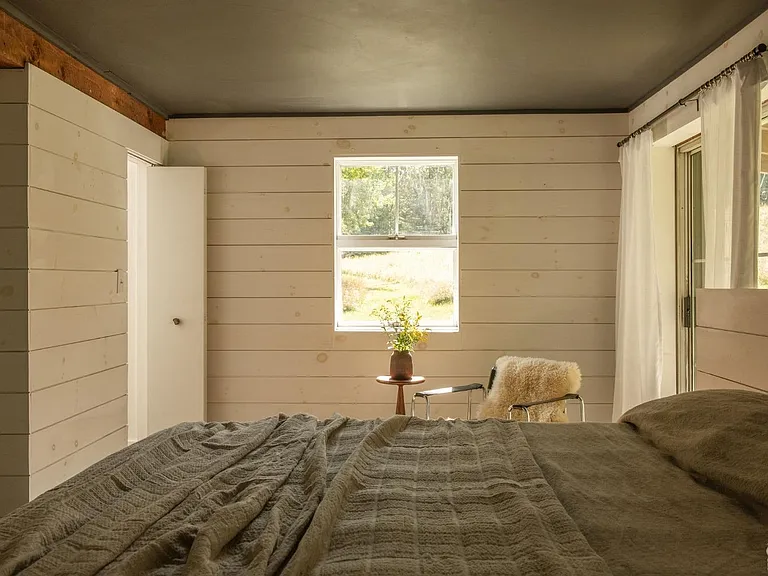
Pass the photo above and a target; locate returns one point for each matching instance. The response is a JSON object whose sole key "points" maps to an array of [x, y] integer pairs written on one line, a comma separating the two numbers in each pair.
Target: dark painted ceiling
{"points": [[346, 56]]}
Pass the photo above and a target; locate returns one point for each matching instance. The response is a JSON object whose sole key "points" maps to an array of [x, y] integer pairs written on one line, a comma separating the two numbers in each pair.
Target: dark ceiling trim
{"points": [[21, 45], [715, 45], [397, 113], [77, 54]]}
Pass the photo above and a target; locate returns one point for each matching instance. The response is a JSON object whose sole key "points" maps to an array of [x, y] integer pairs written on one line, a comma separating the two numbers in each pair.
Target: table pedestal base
{"points": [[400, 406]]}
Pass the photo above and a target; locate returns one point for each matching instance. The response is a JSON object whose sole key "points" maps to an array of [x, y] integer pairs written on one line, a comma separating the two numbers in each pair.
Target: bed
{"points": [[679, 486]]}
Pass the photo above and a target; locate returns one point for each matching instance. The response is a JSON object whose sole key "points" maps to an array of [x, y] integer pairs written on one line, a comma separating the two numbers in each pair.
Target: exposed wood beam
{"points": [[20, 45]]}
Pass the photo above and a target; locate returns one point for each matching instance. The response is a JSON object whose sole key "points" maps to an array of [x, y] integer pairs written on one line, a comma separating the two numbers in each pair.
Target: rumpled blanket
{"points": [[293, 495]]}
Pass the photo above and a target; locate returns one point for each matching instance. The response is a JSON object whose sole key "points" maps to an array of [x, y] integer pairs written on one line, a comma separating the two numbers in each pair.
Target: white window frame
{"points": [[364, 243]]}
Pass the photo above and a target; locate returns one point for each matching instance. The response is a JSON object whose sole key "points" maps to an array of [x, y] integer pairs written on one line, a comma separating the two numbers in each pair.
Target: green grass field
{"points": [[370, 279]]}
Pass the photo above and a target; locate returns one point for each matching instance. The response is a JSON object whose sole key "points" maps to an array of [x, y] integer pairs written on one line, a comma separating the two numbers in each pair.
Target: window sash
{"points": [[452, 161], [451, 325]]}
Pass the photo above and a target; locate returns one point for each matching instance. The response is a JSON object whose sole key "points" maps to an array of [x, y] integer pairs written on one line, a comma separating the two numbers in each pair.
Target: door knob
{"points": [[176, 321]]}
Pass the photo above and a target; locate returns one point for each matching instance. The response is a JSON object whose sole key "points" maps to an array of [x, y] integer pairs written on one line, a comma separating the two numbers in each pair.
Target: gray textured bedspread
{"points": [[291, 495], [678, 489], [298, 496]]}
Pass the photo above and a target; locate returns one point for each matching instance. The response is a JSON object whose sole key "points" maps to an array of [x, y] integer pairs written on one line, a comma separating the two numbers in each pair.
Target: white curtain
{"points": [[730, 136], [718, 122], [638, 311], [746, 174]]}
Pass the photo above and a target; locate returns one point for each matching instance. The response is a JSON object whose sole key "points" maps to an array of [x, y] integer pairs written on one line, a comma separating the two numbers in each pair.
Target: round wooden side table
{"points": [[400, 406]]}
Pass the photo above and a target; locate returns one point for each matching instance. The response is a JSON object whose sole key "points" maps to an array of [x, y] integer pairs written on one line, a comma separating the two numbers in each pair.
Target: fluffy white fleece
{"points": [[521, 380]]}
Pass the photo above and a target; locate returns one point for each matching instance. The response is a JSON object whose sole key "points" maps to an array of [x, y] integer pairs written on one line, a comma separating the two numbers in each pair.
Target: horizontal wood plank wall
{"points": [[77, 252], [539, 206], [77, 306], [732, 339], [14, 391]]}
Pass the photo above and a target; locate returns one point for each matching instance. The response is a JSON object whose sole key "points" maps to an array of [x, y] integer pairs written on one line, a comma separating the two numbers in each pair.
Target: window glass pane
{"points": [[369, 279], [368, 200], [697, 214], [426, 199], [373, 196], [762, 241]]}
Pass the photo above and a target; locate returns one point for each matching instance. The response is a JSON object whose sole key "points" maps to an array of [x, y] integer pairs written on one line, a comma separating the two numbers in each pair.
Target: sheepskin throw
{"points": [[520, 380]]}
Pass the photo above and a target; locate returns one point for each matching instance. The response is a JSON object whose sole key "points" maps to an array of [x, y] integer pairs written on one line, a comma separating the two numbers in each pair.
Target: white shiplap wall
{"points": [[77, 280], [539, 205], [75, 251], [732, 339], [77, 305]]}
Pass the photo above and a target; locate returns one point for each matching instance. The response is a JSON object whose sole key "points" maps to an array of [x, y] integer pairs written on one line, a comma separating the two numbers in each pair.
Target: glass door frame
{"points": [[686, 293]]}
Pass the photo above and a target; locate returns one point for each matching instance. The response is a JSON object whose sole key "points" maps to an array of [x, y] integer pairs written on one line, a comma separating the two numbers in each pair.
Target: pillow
{"points": [[721, 435]]}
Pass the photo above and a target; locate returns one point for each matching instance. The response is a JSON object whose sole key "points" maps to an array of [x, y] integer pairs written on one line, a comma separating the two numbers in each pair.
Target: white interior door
{"points": [[137, 298], [176, 296]]}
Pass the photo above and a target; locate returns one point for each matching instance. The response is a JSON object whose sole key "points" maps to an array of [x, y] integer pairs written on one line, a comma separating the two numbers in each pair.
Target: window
{"points": [[695, 192], [396, 236]]}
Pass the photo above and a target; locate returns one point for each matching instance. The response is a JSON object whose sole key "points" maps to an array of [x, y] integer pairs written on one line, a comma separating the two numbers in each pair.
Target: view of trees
{"points": [[371, 196]]}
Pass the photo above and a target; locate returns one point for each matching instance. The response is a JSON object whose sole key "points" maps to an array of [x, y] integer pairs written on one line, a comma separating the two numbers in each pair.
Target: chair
{"points": [[516, 387], [468, 388]]}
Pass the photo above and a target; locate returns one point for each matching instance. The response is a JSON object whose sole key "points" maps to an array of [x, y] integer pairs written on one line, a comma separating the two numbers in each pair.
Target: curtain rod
{"points": [[754, 53]]}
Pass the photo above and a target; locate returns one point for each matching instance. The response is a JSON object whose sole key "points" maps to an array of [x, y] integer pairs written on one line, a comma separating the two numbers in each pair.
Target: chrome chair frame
{"points": [[526, 405], [469, 388], [427, 394]]}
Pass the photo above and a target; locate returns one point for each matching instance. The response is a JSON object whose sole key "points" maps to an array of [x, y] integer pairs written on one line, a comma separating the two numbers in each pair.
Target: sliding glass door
{"points": [[690, 256], [692, 242]]}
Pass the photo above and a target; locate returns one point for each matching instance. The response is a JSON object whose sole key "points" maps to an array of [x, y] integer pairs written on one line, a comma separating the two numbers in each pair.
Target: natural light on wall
{"points": [[396, 236]]}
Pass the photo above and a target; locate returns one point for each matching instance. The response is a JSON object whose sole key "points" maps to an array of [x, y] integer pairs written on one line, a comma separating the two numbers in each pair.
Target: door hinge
{"points": [[688, 312]]}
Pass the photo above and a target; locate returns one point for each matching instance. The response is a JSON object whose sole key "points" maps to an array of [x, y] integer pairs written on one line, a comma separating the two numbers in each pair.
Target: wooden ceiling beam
{"points": [[20, 45]]}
